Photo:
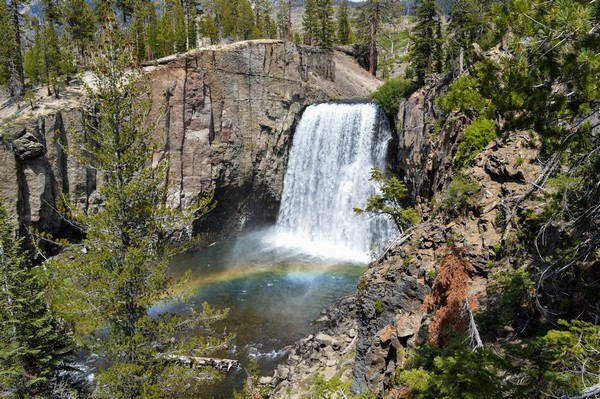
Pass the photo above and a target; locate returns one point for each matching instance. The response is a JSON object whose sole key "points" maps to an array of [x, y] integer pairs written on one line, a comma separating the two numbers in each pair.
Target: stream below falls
{"points": [[273, 292]]}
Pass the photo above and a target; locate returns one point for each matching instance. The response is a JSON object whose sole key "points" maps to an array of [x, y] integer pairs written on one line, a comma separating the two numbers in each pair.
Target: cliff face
{"points": [[225, 121]]}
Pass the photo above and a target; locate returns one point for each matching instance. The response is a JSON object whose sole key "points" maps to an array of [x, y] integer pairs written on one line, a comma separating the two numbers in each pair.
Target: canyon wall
{"points": [[225, 118]]}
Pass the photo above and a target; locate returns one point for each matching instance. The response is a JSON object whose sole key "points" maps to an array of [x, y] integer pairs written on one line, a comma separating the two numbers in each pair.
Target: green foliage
{"points": [[343, 23], [390, 94], [7, 46], [425, 53], [80, 23], [332, 388], [33, 349], [124, 272], [562, 362], [459, 198], [318, 23], [464, 96], [513, 296], [390, 200], [476, 136], [378, 306], [454, 373]]}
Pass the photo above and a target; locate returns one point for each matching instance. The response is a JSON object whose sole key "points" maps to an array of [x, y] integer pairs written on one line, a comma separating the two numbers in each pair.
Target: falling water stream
{"points": [[277, 280]]}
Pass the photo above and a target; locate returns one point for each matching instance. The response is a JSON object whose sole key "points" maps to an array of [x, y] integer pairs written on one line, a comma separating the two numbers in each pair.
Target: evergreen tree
{"points": [[7, 47], [208, 28], [343, 23], [17, 75], [326, 24], [33, 350], [144, 30], [376, 11], [225, 17], [180, 37], [425, 40], [80, 23], [164, 38], [33, 57], [284, 19], [245, 28], [318, 23], [124, 272], [57, 59], [310, 23]]}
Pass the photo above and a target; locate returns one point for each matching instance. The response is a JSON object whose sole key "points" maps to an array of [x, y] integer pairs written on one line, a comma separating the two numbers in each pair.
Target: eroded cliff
{"points": [[225, 118]]}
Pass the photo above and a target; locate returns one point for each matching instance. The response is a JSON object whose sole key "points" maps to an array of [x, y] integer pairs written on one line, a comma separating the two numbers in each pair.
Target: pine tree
{"points": [[310, 22], [325, 24], [343, 23], [284, 19], [80, 23], [424, 51], [57, 60], [180, 37], [17, 75], [124, 272], [7, 47], [208, 28], [318, 23], [164, 38], [245, 28], [33, 350], [376, 12]]}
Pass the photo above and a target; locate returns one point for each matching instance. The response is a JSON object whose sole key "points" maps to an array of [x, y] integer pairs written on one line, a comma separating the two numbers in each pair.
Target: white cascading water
{"points": [[334, 148]]}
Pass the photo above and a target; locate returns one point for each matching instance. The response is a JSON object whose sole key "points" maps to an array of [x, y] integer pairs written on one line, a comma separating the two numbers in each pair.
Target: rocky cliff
{"points": [[225, 117], [374, 328]]}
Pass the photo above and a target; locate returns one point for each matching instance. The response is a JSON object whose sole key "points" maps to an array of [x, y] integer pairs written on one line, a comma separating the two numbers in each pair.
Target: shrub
{"points": [[390, 94], [459, 198], [477, 135], [390, 201], [464, 96]]}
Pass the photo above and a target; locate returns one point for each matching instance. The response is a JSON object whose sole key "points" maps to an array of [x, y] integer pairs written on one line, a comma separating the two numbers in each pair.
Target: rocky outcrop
{"points": [[425, 151], [225, 118]]}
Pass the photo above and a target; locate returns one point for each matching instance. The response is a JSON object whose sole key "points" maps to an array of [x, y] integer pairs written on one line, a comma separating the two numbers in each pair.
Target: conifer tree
{"points": [[318, 23], [164, 36], [245, 28], [343, 23], [7, 47], [284, 19], [180, 37], [424, 51], [33, 349], [124, 272], [208, 28], [17, 75], [309, 22], [80, 23], [57, 60]]}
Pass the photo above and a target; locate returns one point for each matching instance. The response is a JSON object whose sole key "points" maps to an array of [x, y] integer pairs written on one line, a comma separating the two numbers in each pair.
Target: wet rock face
{"points": [[225, 117]]}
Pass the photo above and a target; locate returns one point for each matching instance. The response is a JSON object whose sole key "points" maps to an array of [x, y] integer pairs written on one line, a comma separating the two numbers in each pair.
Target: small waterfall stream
{"points": [[335, 146]]}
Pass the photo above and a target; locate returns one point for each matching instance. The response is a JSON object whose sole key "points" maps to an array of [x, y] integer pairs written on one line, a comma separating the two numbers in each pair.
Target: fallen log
{"points": [[223, 365], [589, 393]]}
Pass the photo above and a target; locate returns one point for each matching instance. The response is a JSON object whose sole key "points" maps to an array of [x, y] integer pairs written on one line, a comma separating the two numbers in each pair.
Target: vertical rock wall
{"points": [[225, 117]]}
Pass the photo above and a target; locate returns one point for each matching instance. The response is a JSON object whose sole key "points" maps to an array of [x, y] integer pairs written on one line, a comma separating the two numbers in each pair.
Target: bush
{"points": [[477, 135], [390, 201], [460, 197], [390, 94], [464, 96]]}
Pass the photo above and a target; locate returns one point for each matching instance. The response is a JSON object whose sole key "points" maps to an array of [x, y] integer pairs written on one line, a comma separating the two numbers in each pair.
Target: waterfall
{"points": [[334, 148]]}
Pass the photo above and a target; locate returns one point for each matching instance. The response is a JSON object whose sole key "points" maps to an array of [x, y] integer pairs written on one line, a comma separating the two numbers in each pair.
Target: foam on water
{"points": [[334, 148]]}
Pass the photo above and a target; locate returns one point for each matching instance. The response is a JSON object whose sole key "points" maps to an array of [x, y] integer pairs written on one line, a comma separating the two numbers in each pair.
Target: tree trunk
{"points": [[19, 79], [373, 44]]}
